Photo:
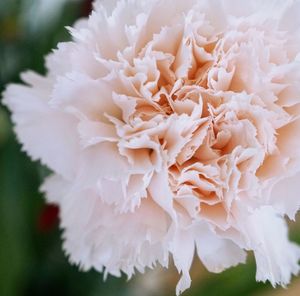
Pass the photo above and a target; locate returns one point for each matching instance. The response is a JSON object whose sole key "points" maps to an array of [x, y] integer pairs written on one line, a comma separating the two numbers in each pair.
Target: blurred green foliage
{"points": [[32, 262]]}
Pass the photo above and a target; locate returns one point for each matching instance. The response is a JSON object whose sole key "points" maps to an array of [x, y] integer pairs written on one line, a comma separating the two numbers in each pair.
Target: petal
{"points": [[55, 188], [46, 133], [276, 257], [182, 248], [285, 196], [215, 252], [93, 98], [161, 193]]}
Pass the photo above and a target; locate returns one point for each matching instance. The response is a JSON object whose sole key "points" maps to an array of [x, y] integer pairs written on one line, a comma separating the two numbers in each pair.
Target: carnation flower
{"points": [[172, 128]]}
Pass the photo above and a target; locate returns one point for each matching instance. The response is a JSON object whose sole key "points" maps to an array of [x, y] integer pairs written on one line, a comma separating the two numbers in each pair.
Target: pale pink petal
{"points": [[276, 257]]}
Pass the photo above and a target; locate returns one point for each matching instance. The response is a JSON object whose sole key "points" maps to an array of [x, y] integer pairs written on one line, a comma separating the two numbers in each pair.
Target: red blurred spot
{"points": [[48, 218], [87, 6]]}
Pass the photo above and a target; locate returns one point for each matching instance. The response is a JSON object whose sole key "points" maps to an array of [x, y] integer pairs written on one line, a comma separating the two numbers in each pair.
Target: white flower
{"points": [[172, 127]]}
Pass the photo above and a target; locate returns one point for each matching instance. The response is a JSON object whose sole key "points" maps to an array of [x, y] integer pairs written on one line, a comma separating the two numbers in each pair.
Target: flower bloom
{"points": [[172, 127]]}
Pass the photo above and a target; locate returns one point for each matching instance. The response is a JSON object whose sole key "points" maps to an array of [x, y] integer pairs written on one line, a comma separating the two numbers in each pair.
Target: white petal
{"points": [[183, 248], [46, 133], [276, 257], [285, 196], [55, 188], [161, 192], [215, 252]]}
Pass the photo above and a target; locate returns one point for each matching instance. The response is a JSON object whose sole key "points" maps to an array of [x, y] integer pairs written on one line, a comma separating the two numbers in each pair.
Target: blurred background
{"points": [[31, 260]]}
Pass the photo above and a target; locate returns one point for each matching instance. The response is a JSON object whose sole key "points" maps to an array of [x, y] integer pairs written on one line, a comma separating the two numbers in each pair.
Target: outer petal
{"points": [[276, 257], [183, 248], [55, 188], [215, 252], [285, 196], [92, 235], [47, 134]]}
